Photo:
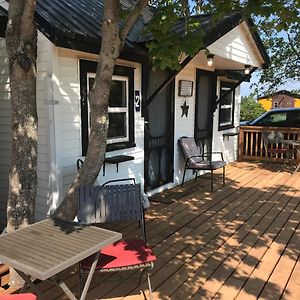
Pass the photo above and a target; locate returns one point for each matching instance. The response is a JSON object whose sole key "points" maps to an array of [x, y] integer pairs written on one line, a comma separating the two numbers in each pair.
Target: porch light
{"points": [[210, 59], [247, 69]]}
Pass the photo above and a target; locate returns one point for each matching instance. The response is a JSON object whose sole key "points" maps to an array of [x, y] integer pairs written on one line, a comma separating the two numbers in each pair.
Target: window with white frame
{"points": [[226, 106], [118, 108]]}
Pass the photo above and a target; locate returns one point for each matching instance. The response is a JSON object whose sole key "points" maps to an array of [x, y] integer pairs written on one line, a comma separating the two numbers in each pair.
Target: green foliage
{"points": [[167, 44], [284, 51], [250, 109], [270, 16]]}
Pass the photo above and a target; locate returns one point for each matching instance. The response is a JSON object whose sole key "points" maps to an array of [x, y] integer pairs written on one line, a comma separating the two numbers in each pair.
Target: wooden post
{"points": [[241, 144], [297, 154]]}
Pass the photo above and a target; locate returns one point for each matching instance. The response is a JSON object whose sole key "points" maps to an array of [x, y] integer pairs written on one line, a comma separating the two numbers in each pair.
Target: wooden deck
{"points": [[240, 242]]}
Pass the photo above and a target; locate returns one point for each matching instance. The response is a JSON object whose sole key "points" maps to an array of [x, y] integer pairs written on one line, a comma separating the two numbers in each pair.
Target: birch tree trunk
{"points": [[113, 39], [21, 41]]}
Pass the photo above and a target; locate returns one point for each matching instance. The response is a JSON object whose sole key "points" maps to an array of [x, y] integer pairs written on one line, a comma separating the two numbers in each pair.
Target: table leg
{"points": [[64, 287], [28, 281], [90, 276], [297, 160], [297, 168]]}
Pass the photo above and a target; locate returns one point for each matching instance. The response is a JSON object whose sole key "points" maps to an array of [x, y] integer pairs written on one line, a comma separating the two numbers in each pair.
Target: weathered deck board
{"points": [[240, 242]]}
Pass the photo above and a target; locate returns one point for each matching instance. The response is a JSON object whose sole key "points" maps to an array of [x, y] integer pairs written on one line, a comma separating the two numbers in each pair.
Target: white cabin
{"points": [[143, 126]]}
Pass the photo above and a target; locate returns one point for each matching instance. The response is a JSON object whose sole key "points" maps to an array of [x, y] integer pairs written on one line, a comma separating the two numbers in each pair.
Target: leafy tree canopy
{"points": [[250, 109], [284, 51], [276, 20]]}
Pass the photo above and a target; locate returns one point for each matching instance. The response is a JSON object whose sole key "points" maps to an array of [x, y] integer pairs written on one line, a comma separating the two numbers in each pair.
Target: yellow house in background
{"points": [[266, 103], [280, 99]]}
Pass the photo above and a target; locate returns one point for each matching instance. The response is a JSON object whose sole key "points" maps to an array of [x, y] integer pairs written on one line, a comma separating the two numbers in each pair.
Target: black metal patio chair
{"points": [[116, 203], [197, 160]]}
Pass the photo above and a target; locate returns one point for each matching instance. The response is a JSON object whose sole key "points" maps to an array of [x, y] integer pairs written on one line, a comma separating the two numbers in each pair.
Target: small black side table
{"points": [[116, 160]]}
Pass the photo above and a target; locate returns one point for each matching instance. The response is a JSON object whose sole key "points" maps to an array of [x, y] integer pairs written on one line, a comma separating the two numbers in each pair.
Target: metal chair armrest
{"points": [[214, 152], [200, 156]]}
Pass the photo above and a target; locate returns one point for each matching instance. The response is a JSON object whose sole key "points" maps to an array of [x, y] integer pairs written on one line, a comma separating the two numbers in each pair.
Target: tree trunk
{"points": [[112, 42], [21, 41], [98, 100]]}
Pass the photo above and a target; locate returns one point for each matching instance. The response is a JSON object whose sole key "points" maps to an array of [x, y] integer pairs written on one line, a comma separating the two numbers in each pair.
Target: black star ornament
{"points": [[185, 109]]}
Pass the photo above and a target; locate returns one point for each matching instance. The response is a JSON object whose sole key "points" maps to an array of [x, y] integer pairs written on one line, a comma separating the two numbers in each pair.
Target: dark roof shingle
{"points": [[68, 23]]}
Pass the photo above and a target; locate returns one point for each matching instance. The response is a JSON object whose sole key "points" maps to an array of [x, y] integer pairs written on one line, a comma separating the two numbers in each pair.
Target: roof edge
{"points": [[258, 41], [281, 92]]}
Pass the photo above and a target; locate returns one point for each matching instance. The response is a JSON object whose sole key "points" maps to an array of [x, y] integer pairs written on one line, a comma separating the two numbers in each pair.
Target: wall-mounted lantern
{"points": [[247, 69], [210, 59]]}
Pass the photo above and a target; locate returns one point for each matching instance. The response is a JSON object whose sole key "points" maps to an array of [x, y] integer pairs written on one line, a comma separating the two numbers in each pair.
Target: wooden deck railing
{"points": [[251, 144]]}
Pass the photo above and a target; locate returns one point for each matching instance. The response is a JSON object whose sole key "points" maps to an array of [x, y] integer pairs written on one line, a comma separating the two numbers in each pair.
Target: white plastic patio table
{"points": [[46, 248]]}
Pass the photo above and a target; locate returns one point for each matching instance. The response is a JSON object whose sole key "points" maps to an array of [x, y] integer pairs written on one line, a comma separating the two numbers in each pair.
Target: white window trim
{"points": [[114, 109]]}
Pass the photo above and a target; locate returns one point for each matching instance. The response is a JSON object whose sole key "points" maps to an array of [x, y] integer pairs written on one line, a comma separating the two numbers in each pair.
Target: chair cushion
{"points": [[121, 254], [205, 165], [26, 296]]}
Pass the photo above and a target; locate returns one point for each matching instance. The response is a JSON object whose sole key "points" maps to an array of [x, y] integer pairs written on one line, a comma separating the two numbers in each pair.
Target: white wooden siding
{"points": [[68, 116], [184, 126], [236, 45]]}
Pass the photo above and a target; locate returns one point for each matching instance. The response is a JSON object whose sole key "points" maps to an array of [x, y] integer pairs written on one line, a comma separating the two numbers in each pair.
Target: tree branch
{"points": [[131, 19]]}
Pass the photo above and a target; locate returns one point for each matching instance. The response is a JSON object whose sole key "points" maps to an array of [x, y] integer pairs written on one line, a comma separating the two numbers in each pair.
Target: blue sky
{"points": [[245, 86], [246, 90]]}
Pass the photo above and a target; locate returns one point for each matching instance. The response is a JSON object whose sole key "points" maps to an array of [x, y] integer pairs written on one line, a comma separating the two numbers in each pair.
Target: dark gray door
{"points": [[159, 133], [205, 104]]}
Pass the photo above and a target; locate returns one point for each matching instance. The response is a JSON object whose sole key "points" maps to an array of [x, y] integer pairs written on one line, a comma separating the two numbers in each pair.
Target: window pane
{"points": [[274, 119], [91, 83], [117, 97], [226, 107], [294, 118], [279, 117], [117, 125], [227, 100], [117, 110], [225, 117]]}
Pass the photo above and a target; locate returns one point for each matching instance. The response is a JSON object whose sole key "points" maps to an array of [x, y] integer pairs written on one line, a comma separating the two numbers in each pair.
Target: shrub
{"points": [[250, 109]]}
